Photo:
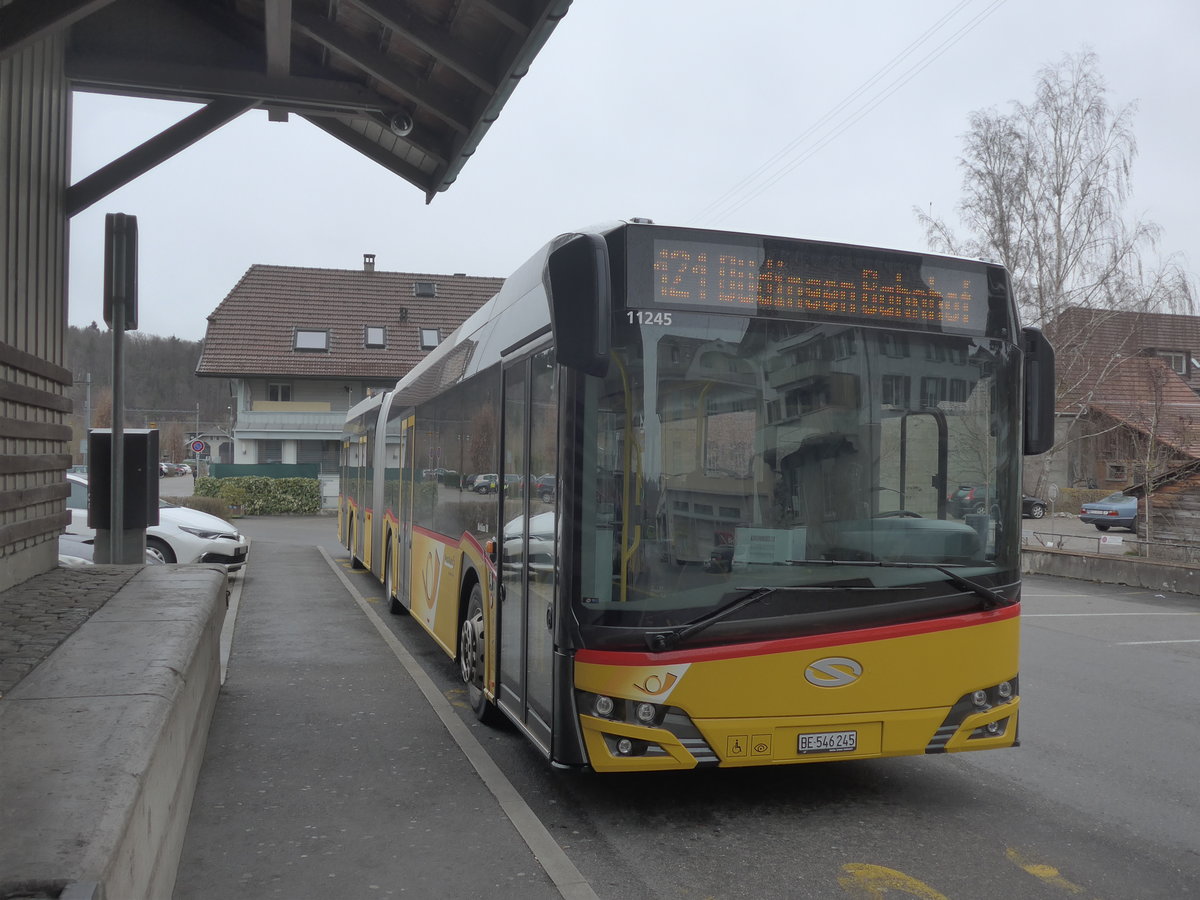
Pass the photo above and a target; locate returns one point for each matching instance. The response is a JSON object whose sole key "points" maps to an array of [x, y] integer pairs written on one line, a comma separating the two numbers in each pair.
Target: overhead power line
{"points": [[847, 112]]}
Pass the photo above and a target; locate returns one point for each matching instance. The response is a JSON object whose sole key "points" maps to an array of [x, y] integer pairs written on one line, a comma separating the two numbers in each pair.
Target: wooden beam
{"points": [[383, 68], [430, 40], [426, 181], [160, 148], [25, 22], [277, 19]]}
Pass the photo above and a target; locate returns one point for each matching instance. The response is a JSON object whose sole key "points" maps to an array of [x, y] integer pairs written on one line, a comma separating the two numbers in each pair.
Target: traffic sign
{"points": [[198, 446]]}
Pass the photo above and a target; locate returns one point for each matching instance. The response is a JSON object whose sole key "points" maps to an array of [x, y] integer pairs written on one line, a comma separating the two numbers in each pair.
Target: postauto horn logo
{"points": [[833, 671]]}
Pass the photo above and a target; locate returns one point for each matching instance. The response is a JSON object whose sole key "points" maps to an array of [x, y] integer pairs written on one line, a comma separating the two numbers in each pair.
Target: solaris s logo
{"points": [[833, 671]]}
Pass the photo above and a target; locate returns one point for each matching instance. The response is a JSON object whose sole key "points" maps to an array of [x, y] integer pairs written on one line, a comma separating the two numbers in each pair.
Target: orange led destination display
{"points": [[809, 280]]}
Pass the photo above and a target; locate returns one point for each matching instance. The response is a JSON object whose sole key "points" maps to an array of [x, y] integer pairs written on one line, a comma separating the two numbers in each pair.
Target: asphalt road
{"points": [[1100, 801]]}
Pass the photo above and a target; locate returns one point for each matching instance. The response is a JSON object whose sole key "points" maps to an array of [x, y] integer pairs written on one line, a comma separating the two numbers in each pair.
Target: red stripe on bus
{"points": [[788, 645]]}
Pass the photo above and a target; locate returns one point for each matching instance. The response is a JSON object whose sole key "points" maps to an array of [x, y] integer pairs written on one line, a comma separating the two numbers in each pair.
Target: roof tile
{"points": [[252, 331]]}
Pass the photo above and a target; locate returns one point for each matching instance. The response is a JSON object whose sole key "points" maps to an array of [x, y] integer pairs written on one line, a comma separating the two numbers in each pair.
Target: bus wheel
{"points": [[471, 660], [355, 562], [395, 607]]}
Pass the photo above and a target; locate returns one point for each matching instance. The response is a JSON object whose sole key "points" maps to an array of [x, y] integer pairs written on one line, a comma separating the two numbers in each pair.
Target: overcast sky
{"points": [[656, 108]]}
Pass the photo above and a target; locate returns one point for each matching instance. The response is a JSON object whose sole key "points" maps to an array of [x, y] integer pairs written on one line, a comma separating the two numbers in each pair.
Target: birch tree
{"points": [[1044, 191]]}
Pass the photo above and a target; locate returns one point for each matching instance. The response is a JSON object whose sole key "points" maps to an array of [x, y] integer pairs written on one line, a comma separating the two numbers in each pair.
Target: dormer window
{"points": [[1176, 359], [311, 339], [429, 338], [374, 337], [424, 289]]}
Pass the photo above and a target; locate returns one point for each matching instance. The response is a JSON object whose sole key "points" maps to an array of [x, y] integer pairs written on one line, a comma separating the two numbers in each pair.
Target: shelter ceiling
{"points": [[412, 84]]}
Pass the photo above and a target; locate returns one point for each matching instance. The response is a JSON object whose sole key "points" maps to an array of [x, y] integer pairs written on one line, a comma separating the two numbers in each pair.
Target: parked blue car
{"points": [[1114, 511]]}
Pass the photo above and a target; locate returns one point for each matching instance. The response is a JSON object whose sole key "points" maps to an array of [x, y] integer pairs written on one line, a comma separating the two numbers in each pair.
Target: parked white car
{"points": [[182, 535], [75, 550]]}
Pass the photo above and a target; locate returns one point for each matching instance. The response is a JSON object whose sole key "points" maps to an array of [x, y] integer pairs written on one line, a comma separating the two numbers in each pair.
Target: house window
{"points": [[311, 339], [894, 345], [958, 390], [322, 453], [843, 345], [933, 391], [374, 336], [894, 390], [1176, 359], [424, 289], [429, 338], [1117, 472], [279, 393], [270, 451]]}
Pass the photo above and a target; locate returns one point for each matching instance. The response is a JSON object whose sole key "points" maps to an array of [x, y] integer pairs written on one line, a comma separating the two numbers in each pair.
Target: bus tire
{"points": [[395, 607], [471, 661], [355, 562]]}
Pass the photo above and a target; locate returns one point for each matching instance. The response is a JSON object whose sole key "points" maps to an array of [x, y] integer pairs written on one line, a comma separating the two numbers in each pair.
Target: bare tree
{"points": [[171, 441], [1044, 192], [102, 407], [1045, 188]]}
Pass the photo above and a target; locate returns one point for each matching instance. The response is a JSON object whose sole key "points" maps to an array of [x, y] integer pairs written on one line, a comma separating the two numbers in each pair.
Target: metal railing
{"points": [[1165, 551]]}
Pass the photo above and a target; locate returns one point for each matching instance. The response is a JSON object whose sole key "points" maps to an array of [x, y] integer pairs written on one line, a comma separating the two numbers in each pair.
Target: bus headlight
{"points": [[634, 712], [977, 702]]}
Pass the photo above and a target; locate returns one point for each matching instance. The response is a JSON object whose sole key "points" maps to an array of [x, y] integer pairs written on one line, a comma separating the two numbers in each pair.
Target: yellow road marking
{"points": [[1047, 874], [863, 880]]}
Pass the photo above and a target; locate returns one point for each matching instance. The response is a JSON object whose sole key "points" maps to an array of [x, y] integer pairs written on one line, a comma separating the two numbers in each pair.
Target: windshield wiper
{"points": [[659, 641], [994, 598]]}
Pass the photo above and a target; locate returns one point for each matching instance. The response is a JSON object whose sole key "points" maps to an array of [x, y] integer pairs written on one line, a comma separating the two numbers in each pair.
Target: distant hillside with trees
{"points": [[161, 387]]}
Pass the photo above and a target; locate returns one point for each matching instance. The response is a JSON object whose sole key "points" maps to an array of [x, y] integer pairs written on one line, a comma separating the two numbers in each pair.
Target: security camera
{"points": [[401, 124]]}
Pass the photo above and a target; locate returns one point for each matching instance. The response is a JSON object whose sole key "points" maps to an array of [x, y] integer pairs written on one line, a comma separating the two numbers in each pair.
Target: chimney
{"points": [[368, 262]]}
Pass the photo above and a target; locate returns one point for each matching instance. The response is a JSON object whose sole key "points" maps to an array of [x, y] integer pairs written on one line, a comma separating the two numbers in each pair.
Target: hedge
{"points": [[255, 495], [214, 506]]}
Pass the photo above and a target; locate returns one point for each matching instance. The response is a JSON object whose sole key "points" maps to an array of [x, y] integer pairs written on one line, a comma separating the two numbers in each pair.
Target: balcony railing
{"points": [[294, 417]]}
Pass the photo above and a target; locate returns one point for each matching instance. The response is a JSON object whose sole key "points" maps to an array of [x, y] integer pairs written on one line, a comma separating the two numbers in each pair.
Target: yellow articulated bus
{"points": [[692, 499]]}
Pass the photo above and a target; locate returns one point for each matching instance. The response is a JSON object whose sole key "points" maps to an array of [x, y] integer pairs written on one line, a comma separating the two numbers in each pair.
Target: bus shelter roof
{"points": [[412, 84]]}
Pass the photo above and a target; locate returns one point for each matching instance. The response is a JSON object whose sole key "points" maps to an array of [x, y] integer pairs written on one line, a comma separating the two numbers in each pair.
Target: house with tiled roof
{"points": [[300, 346], [1128, 394]]}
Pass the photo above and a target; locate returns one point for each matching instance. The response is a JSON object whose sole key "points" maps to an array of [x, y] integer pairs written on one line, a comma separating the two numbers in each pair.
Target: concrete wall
{"points": [[1109, 569], [101, 744]]}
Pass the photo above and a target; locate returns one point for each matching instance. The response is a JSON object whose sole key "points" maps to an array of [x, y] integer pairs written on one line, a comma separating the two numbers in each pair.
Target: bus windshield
{"points": [[824, 466]]}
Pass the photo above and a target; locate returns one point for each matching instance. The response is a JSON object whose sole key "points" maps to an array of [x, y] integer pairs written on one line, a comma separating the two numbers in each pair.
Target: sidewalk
{"points": [[327, 773]]}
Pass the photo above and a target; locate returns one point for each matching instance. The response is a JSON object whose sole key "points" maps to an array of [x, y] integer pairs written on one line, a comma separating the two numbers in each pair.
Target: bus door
{"points": [[404, 513], [528, 546]]}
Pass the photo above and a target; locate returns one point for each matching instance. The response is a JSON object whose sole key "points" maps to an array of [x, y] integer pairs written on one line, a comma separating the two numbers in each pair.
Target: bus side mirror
{"points": [[580, 289], [1039, 391]]}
